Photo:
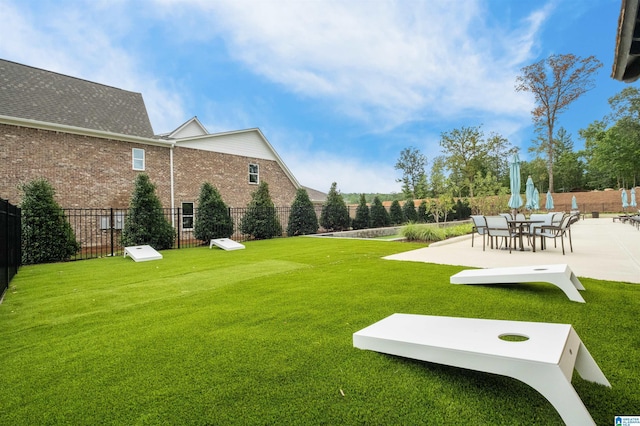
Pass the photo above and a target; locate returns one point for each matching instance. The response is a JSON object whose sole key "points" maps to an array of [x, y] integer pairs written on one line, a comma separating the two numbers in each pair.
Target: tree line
{"points": [[474, 164]]}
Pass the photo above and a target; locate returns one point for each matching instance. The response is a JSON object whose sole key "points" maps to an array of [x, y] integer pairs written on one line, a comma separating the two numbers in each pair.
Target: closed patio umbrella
{"points": [[549, 204], [625, 202], [574, 203], [528, 192], [514, 174], [633, 202], [536, 199]]}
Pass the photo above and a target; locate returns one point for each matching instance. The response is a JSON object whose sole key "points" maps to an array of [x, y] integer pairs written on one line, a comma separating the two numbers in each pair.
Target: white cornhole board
{"points": [[545, 361], [226, 244], [142, 253], [559, 275]]}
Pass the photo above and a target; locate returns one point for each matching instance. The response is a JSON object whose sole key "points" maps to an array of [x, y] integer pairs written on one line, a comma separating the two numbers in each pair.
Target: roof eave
{"points": [[54, 127], [624, 68]]}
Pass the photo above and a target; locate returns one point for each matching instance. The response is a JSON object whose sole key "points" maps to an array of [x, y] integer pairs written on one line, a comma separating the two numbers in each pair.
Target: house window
{"points": [[187, 215], [253, 173], [137, 156]]}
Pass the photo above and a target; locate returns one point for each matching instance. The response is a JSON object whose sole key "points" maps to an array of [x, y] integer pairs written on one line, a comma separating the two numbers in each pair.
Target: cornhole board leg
{"points": [[142, 253], [544, 361], [226, 244], [560, 275]]}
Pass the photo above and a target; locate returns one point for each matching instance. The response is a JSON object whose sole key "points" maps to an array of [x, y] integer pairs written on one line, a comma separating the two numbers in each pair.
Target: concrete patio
{"points": [[602, 249]]}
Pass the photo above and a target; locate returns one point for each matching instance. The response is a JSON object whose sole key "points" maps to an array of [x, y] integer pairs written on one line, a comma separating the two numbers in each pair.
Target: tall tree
{"points": [[395, 213], [302, 219], [47, 235], [261, 220], [379, 215], [555, 82], [363, 215], [334, 215], [212, 218], [145, 223], [414, 177], [466, 151]]}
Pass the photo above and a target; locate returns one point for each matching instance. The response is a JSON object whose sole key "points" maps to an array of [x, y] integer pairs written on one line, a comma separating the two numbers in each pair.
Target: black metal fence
{"points": [[99, 231], [10, 243]]}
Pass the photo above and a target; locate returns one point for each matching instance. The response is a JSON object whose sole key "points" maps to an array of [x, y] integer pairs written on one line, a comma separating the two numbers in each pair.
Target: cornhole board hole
{"points": [[142, 253], [559, 275], [226, 244], [542, 355]]}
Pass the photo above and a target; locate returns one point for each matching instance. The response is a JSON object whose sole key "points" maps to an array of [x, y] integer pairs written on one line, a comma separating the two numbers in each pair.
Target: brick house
{"points": [[91, 140]]}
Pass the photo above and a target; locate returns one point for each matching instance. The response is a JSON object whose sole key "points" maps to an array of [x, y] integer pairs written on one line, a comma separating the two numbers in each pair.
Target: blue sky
{"points": [[338, 87]]}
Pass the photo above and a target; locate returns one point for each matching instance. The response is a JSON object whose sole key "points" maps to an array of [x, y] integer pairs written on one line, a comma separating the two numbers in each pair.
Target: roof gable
{"points": [[189, 129], [36, 94]]}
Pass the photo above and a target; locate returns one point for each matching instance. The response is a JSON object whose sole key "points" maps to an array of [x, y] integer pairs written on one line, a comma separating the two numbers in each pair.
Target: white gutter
{"points": [[173, 220], [43, 125]]}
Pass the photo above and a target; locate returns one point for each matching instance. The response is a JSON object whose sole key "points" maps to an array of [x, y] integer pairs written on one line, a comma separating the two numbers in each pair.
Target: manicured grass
{"points": [[264, 336]]}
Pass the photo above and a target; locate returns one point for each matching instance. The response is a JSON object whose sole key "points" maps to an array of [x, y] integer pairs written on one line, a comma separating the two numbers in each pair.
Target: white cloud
{"points": [[384, 62]]}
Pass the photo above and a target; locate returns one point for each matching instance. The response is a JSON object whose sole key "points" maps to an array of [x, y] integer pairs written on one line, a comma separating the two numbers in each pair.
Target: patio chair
{"points": [[498, 227], [557, 231], [506, 215], [479, 226]]}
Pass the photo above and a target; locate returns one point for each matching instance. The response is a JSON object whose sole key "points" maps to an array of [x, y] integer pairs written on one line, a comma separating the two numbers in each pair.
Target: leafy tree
{"points": [[555, 82], [47, 236], [414, 178], [334, 215], [302, 219], [409, 211], [438, 177], [212, 218], [363, 215], [395, 213], [379, 215], [442, 206], [261, 220], [467, 152], [146, 223]]}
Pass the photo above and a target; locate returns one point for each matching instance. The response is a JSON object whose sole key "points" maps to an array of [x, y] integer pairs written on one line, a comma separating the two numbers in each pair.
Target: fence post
{"points": [[178, 233], [112, 223]]}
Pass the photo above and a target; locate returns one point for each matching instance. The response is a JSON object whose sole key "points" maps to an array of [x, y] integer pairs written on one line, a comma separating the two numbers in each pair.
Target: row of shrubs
{"points": [[48, 237]]}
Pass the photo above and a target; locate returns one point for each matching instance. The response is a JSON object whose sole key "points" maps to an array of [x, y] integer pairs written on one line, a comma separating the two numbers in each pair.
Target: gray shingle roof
{"points": [[37, 94]]}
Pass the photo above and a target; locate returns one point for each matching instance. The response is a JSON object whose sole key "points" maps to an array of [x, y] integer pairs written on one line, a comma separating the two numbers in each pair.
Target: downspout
{"points": [[173, 220]]}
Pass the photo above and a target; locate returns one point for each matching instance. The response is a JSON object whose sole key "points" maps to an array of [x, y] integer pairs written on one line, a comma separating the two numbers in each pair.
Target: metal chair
{"points": [[479, 226], [498, 227], [557, 231]]}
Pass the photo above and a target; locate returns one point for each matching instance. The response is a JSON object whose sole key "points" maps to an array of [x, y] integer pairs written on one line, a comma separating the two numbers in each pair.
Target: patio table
{"points": [[519, 225]]}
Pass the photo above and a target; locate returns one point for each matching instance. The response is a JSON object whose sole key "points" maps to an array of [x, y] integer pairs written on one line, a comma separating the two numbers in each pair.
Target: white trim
{"points": [[43, 125], [134, 159]]}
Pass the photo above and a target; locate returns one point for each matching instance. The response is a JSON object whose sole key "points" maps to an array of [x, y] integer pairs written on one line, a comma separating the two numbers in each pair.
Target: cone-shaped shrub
{"points": [[395, 212], [379, 215], [212, 216], [47, 236], [335, 215], [422, 212], [146, 223], [261, 221], [409, 211], [363, 215], [302, 219]]}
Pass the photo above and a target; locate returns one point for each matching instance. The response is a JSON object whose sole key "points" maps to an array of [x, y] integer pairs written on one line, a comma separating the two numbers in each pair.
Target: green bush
{"points": [[334, 216], [409, 211], [261, 221], [302, 219], [146, 224], [47, 236], [430, 233], [212, 218], [422, 212], [379, 215], [363, 215], [395, 213]]}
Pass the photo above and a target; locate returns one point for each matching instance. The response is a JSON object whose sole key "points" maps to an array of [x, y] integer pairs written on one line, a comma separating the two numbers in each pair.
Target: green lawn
{"points": [[264, 336]]}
